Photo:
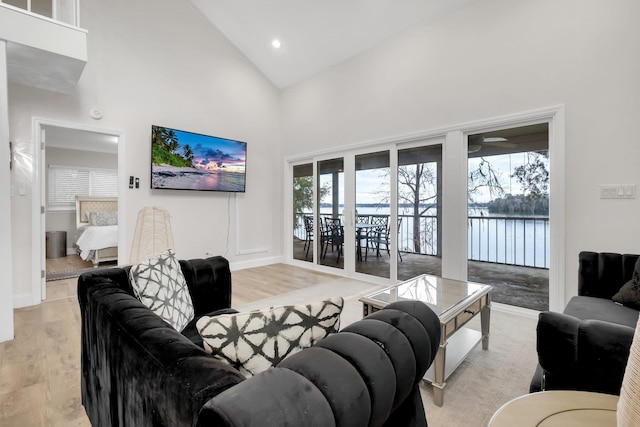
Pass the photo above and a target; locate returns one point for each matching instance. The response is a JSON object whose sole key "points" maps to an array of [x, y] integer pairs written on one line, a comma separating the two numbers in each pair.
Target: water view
{"points": [[499, 238]]}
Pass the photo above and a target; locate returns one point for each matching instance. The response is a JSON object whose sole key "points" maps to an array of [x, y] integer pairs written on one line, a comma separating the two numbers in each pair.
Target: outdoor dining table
{"points": [[360, 228]]}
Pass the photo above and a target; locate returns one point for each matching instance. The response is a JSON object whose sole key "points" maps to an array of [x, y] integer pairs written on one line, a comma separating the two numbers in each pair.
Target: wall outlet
{"points": [[618, 191]]}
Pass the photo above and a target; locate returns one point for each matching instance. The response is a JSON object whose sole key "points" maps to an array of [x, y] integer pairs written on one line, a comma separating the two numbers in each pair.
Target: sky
{"points": [[213, 153], [505, 165]]}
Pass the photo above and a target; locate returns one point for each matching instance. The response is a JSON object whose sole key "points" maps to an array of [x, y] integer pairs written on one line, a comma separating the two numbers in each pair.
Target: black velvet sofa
{"points": [[139, 371], [587, 346]]}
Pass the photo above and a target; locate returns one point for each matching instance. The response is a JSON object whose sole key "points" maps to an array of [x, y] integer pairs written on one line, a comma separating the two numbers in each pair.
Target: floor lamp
{"points": [[152, 236]]}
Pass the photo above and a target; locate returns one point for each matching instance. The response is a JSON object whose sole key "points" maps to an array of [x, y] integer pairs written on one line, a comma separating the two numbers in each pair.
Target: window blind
{"points": [[65, 183]]}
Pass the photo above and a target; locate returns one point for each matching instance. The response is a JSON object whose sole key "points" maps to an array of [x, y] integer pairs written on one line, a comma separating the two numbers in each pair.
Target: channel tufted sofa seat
{"points": [[139, 371], [586, 347]]}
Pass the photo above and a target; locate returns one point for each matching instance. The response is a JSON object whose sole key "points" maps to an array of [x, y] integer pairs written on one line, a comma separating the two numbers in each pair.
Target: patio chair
{"points": [[333, 235], [308, 230], [363, 219], [383, 238], [325, 235], [362, 234], [374, 234]]}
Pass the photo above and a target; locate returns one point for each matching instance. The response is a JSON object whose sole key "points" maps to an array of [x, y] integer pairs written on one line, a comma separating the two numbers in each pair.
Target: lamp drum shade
{"points": [[628, 411], [153, 235]]}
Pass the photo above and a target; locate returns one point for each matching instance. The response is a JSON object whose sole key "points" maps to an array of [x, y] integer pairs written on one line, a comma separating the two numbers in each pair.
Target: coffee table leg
{"points": [[438, 370]]}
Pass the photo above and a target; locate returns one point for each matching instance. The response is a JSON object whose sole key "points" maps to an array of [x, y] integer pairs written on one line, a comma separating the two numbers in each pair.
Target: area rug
{"points": [[486, 380], [61, 275], [482, 383]]}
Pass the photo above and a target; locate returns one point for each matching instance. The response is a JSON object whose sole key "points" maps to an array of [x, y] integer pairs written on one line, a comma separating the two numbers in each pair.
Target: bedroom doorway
{"points": [[71, 159]]}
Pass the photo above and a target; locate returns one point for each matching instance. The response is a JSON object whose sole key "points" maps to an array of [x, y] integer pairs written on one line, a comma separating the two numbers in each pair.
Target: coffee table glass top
{"points": [[442, 295]]}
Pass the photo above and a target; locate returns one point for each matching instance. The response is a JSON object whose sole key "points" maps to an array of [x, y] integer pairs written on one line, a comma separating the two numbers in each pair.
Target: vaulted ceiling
{"points": [[314, 34]]}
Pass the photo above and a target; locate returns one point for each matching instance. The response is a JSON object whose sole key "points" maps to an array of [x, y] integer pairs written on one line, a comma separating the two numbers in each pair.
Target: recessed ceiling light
{"points": [[276, 43], [494, 139]]}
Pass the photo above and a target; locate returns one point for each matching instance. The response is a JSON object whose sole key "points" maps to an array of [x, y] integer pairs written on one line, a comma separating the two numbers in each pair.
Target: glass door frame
{"points": [[455, 251], [392, 149], [454, 197], [349, 249], [349, 170], [346, 170], [427, 141]]}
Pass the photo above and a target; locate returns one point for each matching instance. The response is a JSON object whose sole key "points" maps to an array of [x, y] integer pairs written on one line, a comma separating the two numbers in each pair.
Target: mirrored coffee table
{"points": [[455, 302]]}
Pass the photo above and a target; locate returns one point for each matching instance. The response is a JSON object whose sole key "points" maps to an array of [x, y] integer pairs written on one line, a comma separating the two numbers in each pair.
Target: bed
{"points": [[97, 228]]}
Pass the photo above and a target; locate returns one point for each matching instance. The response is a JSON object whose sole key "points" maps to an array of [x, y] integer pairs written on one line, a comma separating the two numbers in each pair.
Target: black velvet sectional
{"points": [[139, 371], [587, 346]]}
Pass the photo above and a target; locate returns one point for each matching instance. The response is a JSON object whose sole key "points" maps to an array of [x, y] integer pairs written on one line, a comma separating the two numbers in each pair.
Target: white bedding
{"points": [[94, 238]]}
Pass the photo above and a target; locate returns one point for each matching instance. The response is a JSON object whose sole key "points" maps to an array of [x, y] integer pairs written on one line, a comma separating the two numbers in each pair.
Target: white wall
{"points": [[6, 250], [161, 62], [494, 58]]}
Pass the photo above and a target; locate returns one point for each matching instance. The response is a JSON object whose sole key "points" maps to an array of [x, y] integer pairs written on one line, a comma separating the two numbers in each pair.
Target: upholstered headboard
{"points": [[85, 204]]}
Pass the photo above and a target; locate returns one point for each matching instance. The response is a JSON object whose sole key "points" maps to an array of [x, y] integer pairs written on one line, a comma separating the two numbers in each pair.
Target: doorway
{"points": [[70, 158]]}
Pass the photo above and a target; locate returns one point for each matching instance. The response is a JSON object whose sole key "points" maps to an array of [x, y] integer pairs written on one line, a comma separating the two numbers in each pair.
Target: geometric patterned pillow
{"points": [[255, 341], [160, 285]]}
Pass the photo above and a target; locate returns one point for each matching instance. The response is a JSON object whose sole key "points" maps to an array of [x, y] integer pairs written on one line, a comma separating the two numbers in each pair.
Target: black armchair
{"points": [[587, 346]]}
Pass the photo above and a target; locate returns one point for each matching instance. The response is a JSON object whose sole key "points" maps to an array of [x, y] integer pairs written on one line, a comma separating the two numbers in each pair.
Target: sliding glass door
{"points": [[330, 207], [303, 204], [342, 215], [468, 204], [376, 213], [372, 214], [420, 211], [508, 236]]}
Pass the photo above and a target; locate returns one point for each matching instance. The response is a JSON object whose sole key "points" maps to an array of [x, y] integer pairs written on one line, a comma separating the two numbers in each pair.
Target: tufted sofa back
{"points": [[365, 375], [602, 274]]}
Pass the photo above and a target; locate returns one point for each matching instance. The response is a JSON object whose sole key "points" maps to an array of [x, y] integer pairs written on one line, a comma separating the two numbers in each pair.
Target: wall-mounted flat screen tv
{"points": [[190, 161]]}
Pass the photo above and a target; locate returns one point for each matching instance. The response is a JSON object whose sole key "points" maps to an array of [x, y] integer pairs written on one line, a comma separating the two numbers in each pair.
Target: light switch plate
{"points": [[618, 191]]}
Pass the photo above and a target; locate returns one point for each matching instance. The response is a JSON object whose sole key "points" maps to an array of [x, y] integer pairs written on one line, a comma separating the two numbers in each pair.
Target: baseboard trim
{"points": [[22, 300], [512, 309], [259, 262]]}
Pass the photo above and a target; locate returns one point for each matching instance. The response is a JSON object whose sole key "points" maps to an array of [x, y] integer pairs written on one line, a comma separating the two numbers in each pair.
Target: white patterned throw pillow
{"points": [[160, 285], [255, 341]]}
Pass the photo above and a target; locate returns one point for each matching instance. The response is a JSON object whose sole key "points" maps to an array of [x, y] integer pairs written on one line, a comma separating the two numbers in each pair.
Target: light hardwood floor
{"points": [[40, 368]]}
